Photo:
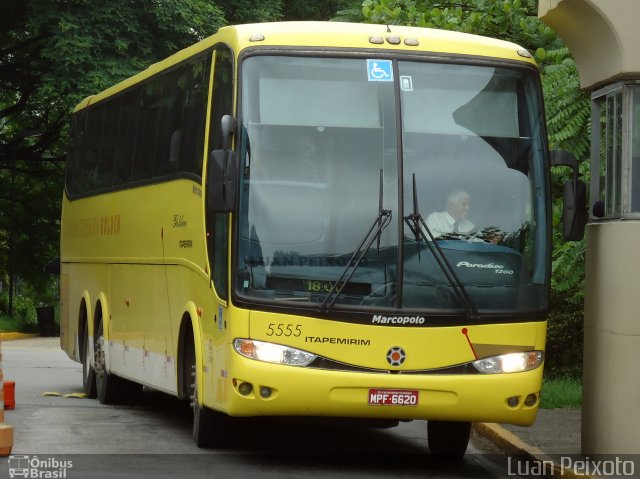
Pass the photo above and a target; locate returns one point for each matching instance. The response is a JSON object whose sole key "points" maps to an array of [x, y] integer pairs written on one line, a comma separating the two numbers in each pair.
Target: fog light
{"points": [[265, 392], [513, 401], [531, 400], [245, 389]]}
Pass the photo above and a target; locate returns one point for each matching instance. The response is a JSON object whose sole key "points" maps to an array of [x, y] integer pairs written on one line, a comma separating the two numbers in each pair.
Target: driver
{"points": [[453, 221]]}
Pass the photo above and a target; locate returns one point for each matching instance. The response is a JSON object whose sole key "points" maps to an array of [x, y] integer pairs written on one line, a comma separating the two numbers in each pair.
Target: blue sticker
{"points": [[220, 320], [379, 70]]}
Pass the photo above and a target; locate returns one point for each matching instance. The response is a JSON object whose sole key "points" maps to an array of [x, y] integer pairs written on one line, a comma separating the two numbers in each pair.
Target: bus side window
{"points": [[169, 123], [222, 101], [107, 145], [91, 152], [147, 130], [129, 117], [194, 114]]}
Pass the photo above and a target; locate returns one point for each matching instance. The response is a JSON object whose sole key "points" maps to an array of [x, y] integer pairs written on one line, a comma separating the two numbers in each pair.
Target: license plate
{"points": [[393, 397]]}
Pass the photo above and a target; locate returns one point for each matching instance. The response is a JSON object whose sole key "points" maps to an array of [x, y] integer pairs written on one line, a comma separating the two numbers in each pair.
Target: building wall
{"points": [[603, 36]]}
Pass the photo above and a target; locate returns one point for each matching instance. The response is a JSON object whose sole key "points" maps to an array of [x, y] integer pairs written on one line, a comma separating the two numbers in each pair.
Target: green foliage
{"points": [[561, 392], [568, 112], [563, 355], [568, 270], [9, 325], [568, 109], [250, 11], [514, 20], [351, 12], [53, 54], [24, 313], [315, 9], [109, 41]]}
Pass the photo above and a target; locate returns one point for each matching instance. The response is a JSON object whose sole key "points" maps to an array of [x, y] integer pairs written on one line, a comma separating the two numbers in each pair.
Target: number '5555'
{"points": [[284, 330]]}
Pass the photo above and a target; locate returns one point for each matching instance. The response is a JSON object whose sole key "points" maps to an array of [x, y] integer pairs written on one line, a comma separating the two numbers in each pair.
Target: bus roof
{"points": [[333, 35]]}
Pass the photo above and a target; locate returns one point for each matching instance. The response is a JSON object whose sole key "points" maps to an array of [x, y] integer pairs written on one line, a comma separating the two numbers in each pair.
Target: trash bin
{"points": [[46, 321]]}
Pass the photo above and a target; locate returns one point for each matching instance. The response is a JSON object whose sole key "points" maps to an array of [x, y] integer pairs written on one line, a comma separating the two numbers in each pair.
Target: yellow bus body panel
{"points": [[140, 255], [309, 392]]}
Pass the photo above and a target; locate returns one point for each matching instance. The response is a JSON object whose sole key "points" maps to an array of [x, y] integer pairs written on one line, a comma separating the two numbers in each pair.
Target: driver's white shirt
{"points": [[442, 223]]}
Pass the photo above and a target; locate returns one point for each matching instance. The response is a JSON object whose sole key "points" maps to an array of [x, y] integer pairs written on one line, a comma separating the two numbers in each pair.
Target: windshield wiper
{"points": [[419, 228], [380, 223]]}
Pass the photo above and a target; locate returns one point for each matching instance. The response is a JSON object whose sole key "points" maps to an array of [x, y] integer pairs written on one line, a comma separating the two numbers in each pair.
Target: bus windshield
{"points": [[455, 154]]}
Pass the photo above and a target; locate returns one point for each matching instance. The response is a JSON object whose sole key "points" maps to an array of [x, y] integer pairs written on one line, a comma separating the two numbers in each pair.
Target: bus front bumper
{"points": [[262, 389]]}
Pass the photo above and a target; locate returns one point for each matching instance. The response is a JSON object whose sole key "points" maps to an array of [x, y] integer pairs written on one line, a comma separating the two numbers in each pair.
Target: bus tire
{"points": [[111, 389], [210, 428], [448, 439], [88, 372]]}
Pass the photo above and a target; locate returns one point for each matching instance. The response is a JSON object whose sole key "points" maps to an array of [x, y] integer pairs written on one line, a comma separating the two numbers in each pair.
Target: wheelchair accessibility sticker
{"points": [[379, 70]]}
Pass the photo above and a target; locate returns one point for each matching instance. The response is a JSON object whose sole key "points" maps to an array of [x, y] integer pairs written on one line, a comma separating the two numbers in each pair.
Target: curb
{"points": [[13, 336], [512, 444]]}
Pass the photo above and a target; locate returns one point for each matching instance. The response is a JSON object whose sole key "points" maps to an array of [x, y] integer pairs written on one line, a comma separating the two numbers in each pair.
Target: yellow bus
{"points": [[315, 219]]}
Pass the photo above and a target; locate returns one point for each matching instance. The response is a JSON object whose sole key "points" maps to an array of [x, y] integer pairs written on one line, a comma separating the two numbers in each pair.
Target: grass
{"points": [[561, 392], [14, 325], [8, 324]]}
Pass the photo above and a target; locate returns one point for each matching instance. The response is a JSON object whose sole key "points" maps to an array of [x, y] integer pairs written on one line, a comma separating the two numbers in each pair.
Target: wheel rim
{"points": [[99, 357], [87, 359], [193, 386]]}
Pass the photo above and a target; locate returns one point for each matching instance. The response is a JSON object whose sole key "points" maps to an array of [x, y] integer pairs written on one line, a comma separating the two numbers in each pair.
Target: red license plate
{"points": [[393, 397]]}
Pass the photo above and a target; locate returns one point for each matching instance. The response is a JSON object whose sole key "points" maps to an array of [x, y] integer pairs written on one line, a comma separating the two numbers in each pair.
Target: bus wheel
{"points": [[88, 373], [111, 389], [210, 428], [448, 438]]}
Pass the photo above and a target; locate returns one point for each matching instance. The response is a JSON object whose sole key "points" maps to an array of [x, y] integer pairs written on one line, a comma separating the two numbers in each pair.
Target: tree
{"points": [[250, 11], [312, 9], [568, 112], [513, 20], [53, 54]]}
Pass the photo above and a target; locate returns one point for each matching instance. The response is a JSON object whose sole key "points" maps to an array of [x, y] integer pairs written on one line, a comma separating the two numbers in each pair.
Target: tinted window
{"points": [[147, 131], [217, 223], [152, 132]]}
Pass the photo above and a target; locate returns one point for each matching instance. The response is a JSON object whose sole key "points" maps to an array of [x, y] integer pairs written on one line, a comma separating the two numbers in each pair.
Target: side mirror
{"points": [[574, 209], [222, 171], [221, 181], [228, 126]]}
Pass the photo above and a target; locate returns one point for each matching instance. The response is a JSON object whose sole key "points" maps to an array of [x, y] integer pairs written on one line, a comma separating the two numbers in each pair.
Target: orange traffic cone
{"points": [[9, 389], [6, 431]]}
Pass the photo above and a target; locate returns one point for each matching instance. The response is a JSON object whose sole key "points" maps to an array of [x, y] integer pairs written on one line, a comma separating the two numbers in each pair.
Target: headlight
{"points": [[273, 353], [510, 363]]}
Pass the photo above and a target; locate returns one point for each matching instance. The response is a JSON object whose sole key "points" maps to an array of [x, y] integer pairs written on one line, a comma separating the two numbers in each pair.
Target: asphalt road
{"points": [[152, 438]]}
